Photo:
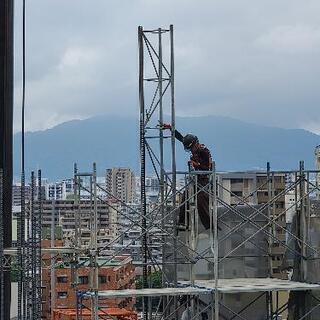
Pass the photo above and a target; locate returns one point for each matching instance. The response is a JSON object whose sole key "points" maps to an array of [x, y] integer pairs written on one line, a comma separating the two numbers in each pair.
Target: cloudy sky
{"points": [[257, 61]]}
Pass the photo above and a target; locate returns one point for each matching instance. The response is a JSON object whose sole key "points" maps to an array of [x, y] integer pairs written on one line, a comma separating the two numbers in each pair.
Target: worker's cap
{"points": [[189, 140]]}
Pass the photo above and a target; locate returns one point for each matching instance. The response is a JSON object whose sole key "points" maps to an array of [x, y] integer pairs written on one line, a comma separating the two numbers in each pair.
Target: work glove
{"points": [[167, 126]]}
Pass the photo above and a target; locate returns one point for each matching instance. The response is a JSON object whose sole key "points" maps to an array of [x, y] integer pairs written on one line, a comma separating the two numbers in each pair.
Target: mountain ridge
{"points": [[114, 141]]}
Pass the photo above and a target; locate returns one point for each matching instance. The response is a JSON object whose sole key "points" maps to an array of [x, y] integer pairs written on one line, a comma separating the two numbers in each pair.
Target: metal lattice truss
{"points": [[25, 260]]}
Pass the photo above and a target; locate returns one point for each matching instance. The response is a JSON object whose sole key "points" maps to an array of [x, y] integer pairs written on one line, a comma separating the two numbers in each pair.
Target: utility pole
{"points": [[6, 119]]}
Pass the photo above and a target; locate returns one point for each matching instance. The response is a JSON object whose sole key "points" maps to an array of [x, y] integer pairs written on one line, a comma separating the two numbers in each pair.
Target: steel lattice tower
{"points": [[156, 96]]}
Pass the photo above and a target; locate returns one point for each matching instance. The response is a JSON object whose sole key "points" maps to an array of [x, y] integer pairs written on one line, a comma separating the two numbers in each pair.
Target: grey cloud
{"points": [[256, 61]]}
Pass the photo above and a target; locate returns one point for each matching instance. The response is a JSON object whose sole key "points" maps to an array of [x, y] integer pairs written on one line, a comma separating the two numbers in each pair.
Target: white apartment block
{"points": [[60, 190]]}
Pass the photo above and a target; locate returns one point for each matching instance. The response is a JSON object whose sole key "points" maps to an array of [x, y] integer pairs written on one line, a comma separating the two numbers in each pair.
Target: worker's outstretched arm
{"points": [[178, 135]]}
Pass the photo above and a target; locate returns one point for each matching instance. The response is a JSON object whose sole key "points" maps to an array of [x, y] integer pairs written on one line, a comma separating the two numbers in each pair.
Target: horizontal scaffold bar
{"points": [[54, 250], [255, 285], [154, 292]]}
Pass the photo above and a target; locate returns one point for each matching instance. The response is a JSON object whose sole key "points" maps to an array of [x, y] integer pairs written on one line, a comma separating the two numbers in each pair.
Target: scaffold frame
{"points": [[163, 216]]}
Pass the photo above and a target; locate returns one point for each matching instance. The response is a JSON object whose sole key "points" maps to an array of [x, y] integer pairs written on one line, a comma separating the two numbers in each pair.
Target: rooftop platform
{"points": [[224, 286], [153, 292], [256, 285]]}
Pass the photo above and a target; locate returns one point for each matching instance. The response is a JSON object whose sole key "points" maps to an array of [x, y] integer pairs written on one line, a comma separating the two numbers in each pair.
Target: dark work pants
{"points": [[203, 205]]}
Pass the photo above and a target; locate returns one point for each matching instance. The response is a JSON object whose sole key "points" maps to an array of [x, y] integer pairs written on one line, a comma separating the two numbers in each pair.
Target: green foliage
{"points": [[154, 280]]}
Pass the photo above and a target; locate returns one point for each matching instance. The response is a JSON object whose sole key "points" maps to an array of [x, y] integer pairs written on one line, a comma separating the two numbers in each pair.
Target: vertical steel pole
{"points": [[23, 257], [52, 261], [216, 244], [273, 194], [95, 245], [1, 249], [303, 231], [269, 184], [33, 265], [76, 200], [6, 133], [192, 206], [195, 230], [21, 251], [29, 259], [161, 182], [143, 169], [173, 152], [270, 240], [76, 205], [38, 245], [91, 247], [308, 214], [173, 165]]}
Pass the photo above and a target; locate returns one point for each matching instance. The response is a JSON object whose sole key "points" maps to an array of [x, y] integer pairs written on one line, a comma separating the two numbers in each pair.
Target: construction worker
{"points": [[200, 160]]}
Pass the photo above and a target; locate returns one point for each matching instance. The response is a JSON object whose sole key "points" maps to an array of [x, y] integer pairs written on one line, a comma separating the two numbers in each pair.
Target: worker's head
{"points": [[189, 141]]}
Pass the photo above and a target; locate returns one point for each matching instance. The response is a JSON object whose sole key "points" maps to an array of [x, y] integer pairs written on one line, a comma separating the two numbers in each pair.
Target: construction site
{"points": [[257, 258]]}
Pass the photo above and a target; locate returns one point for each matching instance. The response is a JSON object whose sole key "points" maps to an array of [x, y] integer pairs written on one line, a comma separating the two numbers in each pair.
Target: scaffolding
{"points": [[91, 187], [211, 295], [221, 271], [26, 258]]}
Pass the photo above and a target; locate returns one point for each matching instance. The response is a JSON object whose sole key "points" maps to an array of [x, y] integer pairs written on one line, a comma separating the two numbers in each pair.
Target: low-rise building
{"points": [[116, 273]]}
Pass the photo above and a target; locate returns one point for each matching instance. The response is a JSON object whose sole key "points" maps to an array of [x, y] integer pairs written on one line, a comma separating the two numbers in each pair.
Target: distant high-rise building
{"points": [[120, 183], [59, 190], [152, 188], [317, 154], [16, 193]]}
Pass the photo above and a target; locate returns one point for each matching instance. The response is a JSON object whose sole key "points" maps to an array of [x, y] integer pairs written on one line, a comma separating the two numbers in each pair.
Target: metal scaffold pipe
{"points": [[6, 134], [94, 247], [38, 238], [1, 249], [143, 169]]}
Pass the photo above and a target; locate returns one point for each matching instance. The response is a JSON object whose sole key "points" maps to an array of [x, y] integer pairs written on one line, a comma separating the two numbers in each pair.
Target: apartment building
{"points": [[16, 194], [60, 190], [120, 183], [62, 213]]}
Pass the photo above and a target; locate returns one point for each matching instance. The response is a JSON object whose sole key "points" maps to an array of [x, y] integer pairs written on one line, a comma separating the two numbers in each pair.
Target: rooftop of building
{"points": [[102, 262]]}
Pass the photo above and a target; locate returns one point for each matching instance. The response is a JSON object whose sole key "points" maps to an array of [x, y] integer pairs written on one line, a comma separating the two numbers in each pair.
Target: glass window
{"points": [[62, 295], [62, 279], [102, 279], [83, 280]]}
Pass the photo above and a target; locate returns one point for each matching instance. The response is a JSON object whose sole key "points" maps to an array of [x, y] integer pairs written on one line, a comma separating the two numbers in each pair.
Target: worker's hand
{"points": [[193, 163], [167, 126]]}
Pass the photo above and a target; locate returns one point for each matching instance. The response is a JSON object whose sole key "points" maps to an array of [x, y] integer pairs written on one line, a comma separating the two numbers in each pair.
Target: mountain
{"points": [[114, 141]]}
